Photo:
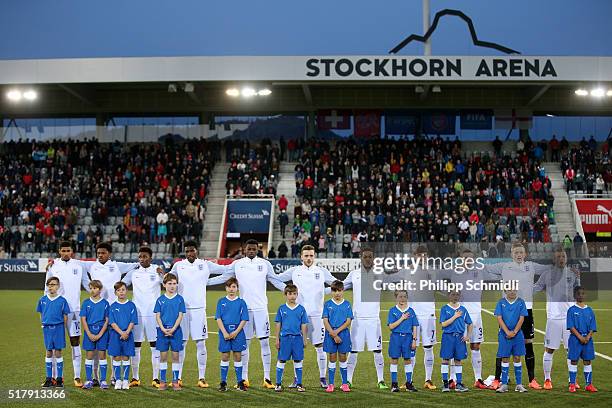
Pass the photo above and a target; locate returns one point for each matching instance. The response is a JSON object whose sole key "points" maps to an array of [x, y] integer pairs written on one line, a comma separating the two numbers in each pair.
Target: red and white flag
{"points": [[513, 119], [367, 123], [334, 119]]}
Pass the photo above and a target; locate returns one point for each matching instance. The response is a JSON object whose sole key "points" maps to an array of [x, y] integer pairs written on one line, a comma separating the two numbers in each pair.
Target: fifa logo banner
{"points": [[595, 214], [249, 216]]}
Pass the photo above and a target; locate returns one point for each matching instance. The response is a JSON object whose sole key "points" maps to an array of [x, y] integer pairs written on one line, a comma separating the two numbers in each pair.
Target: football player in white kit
{"points": [[71, 276], [524, 272], [472, 301], [424, 306], [193, 276], [365, 327], [310, 281], [559, 282], [146, 283], [253, 273]]}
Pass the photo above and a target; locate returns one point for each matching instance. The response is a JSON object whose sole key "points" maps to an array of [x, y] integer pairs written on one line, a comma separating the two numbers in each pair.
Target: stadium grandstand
{"points": [[164, 173]]}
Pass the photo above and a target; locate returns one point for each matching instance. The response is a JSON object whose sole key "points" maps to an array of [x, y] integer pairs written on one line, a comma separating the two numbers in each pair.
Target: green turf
{"points": [[22, 366]]}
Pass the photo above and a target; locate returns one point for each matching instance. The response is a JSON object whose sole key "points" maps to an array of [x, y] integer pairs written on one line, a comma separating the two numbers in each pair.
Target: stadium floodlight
{"points": [[598, 92], [436, 89], [232, 92], [550, 115], [609, 93], [30, 95], [264, 92], [14, 95], [581, 92], [248, 92], [419, 89], [172, 88]]}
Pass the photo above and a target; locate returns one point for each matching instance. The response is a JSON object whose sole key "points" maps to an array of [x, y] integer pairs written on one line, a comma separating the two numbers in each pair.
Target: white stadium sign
{"points": [[308, 68]]}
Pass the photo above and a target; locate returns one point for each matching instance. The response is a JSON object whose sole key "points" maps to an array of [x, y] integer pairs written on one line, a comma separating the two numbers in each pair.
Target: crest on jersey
{"points": [[259, 268], [317, 275], [111, 268], [201, 267], [75, 271]]}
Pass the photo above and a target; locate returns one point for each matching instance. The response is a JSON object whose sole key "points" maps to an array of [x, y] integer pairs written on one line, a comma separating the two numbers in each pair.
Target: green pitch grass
{"points": [[22, 366]]}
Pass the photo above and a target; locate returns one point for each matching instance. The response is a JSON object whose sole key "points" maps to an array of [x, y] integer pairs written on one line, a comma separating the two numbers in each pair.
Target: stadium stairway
{"points": [[286, 186], [564, 220], [214, 211]]}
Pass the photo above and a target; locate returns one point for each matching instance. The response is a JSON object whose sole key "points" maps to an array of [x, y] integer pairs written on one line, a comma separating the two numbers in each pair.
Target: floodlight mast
{"points": [[426, 24]]}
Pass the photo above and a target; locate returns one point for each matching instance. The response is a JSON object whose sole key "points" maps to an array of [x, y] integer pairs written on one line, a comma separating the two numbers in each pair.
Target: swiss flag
{"points": [[367, 123], [334, 119]]}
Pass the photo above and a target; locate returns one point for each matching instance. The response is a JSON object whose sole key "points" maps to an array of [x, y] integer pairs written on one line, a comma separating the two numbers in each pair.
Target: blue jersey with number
{"points": [[52, 310], [95, 313], [122, 314], [405, 327], [582, 319], [511, 312], [291, 319], [169, 309], [337, 314], [457, 326], [232, 311]]}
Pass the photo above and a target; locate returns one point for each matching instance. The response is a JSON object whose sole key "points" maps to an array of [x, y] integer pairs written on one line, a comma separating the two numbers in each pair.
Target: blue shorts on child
{"points": [[118, 347], [577, 350], [174, 342], [510, 347], [238, 343], [54, 336], [453, 347], [291, 347], [400, 345], [330, 346], [101, 344]]}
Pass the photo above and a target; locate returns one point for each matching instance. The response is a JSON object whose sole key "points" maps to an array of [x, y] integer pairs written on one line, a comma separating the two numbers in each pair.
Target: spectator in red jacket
{"points": [[569, 178], [536, 186], [283, 202]]}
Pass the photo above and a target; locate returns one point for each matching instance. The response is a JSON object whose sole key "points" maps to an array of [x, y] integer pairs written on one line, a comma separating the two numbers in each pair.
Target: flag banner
{"points": [[476, 120], [439, 123], [334, 119], [595, 215], [367, 124], [400, 123], [513, 118]]}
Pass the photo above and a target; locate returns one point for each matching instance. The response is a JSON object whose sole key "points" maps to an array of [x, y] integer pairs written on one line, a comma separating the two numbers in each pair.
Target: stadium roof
{"points": [[300, 84]]}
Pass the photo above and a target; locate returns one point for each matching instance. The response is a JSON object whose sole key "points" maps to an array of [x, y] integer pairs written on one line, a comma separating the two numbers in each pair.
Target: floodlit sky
{"points": [[113, 28]]}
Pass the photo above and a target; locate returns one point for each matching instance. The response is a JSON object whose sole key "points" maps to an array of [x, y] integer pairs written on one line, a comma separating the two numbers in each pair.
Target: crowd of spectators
{"points": [[254, 168], [416, 191], [83, 191], [586, 167]]}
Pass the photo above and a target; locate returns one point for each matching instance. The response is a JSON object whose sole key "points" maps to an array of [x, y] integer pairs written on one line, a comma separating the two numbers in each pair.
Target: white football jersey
{"points": [[253, 275], [421, 301], [71, 276], [472, 298], [146, 288], [363, 309], [559, 285], [108, 273], [193, 279], [311, 286], [523, 273]]}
